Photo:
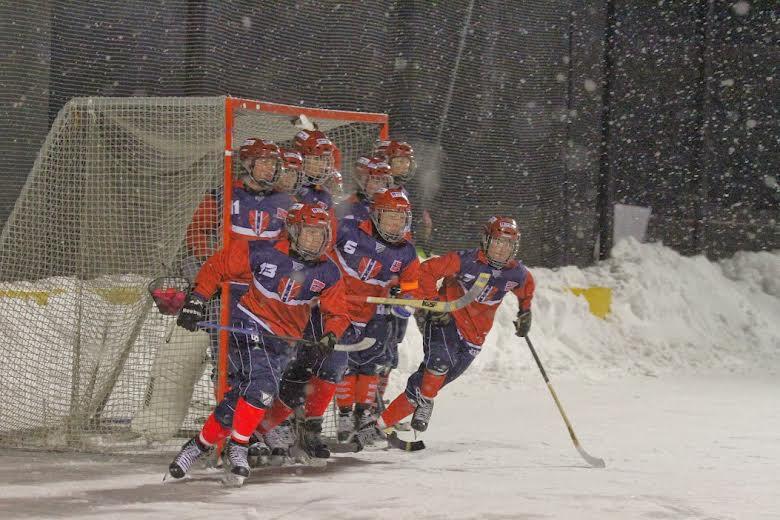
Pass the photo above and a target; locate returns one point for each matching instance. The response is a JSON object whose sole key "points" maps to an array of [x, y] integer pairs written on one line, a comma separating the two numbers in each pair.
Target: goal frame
{"points": [[232, 104]]}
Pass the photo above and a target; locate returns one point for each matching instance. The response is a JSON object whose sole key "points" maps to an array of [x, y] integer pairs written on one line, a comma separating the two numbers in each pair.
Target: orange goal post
{"points": [[91, 365]]}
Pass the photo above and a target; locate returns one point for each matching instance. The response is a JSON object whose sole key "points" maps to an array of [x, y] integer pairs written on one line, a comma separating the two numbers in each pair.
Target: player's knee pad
{"points": [[439, 365], [260, 394]]}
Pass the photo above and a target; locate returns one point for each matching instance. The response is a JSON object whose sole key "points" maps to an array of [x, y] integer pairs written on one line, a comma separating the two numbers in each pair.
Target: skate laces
{"points": [[424, 409], [189, 453], [237, 454]]}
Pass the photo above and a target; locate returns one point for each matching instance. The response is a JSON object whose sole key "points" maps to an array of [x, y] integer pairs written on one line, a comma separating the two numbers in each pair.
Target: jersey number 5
{"points": [[350, 247]]}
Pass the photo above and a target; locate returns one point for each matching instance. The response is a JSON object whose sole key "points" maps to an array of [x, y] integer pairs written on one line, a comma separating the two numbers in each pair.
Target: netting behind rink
{"points": [[89, 362]]}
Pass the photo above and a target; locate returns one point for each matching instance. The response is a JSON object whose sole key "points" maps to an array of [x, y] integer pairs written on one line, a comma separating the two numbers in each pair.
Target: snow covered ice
{"points": [[677, 391]]}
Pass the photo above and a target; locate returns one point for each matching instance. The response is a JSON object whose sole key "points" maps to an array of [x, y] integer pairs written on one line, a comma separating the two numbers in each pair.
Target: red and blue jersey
{"points": [[370, 266], [253, 216], [460, 269], [283, 289], [258, 216]]}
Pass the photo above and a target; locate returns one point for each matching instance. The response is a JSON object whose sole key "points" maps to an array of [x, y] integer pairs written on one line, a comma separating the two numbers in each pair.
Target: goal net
{"points": [[89, 362]]}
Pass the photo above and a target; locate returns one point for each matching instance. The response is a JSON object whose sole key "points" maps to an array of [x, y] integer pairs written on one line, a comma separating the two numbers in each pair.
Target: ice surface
{"points": [[677, 390]]}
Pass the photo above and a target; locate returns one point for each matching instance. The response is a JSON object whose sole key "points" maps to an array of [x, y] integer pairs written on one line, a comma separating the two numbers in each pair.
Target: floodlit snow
{"points": [[676, 390]]}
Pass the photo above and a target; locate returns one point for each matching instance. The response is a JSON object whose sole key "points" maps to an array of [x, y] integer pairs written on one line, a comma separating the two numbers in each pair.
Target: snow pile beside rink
{"points": [[669, 313]]}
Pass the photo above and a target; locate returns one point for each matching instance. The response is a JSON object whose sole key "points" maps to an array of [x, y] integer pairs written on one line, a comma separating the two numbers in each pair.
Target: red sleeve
{"points": [[333, 305], [525, 293], [410, 278], [434, 269], [225, 264], [201, 230]]}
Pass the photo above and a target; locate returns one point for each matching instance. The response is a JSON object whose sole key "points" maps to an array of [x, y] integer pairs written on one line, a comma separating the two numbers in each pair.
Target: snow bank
{"points": [[669, 313]]}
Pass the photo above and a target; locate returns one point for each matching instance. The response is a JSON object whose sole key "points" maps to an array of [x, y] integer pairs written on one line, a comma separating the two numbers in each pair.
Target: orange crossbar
{"points": [[321, 113]]}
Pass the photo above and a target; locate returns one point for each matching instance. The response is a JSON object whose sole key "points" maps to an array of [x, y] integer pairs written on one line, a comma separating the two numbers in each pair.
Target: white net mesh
{"points": [[90, 364]]}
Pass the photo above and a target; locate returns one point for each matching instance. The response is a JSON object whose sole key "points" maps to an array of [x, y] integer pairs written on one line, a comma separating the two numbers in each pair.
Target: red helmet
{"points": [[500, 228], [255, 148], [392, 200], [313, 142], [371, 175], [405, 167], [319, 155], [302, 216], [289, 173], [291, 159]]}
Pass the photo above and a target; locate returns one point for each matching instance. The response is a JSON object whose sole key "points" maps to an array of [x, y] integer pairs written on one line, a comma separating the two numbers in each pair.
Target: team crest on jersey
{"points": [[379, 247], [368, 268], [509, 286], [258, 220], [316, 286], [288, 289], [297, 266], [487, 294], [396, 266], [281, 213], [496, 273]]}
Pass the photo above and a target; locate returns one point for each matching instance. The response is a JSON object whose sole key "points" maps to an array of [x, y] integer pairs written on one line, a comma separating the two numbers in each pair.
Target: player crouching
{"points": [[287, 278]]}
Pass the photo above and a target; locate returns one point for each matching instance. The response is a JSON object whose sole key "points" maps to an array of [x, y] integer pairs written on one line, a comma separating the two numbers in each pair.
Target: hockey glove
{"points": [[523, 323], [327, 343], [192, 312]]}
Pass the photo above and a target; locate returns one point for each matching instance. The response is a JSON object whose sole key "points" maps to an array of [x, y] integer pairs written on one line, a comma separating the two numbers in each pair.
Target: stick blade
{"points": [[394, 442], [593, 461]]}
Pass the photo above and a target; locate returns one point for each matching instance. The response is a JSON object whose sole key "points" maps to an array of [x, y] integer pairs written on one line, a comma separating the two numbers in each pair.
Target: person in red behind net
{"points": [[288, 276], [451, 341]]}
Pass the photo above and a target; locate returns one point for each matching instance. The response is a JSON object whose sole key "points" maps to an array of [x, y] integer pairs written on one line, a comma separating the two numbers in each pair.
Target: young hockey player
{"points": [[319, 162], [370, 175], [452, 341], [288, 276], [260, 197], [373, 256], [399, 155], [260, 190]]}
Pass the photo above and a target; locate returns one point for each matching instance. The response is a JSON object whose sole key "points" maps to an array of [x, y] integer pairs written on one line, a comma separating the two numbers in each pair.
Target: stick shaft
{"points": [[593, 461]]}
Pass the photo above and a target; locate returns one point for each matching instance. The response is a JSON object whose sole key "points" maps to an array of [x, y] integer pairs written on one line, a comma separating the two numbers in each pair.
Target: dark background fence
{"points": [[547, 110]]}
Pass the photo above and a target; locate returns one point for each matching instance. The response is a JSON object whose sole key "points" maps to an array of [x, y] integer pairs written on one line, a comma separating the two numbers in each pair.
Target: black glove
{"points": [[523, 323], [327, 343], [192, 312]]}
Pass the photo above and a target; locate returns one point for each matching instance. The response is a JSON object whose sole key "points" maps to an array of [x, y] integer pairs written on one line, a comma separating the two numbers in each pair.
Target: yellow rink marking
{"points": [[113, 295]]}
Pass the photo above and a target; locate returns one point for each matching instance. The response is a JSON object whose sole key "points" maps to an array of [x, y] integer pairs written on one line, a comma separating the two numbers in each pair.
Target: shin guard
{"points": [[319, 394]]}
